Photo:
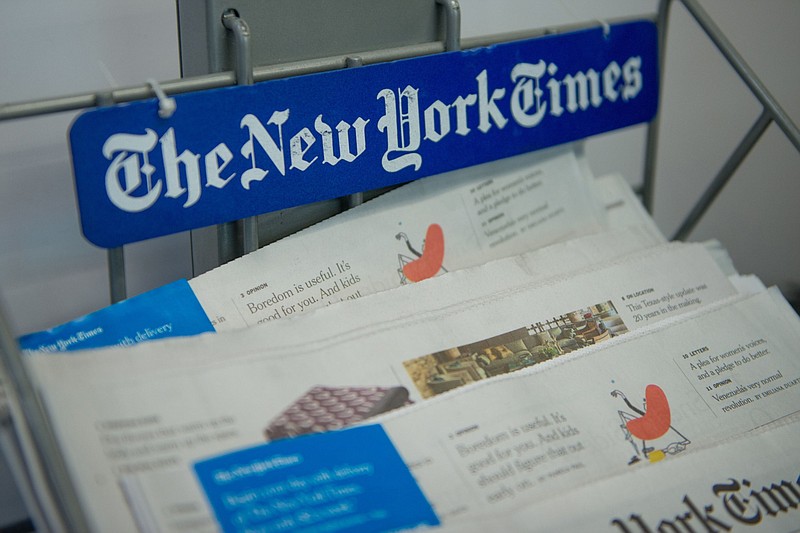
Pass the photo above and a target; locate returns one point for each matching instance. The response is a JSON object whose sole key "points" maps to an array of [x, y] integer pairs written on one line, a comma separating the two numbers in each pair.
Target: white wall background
{"points": [[49, 274]]}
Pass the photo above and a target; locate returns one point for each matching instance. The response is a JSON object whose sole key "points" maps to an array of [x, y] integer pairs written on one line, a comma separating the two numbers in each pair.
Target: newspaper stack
{"points": [[513, 345]]}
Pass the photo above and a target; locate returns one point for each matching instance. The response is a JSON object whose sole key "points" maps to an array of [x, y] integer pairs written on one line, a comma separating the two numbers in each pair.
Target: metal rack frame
{"points": [[21, 387]]}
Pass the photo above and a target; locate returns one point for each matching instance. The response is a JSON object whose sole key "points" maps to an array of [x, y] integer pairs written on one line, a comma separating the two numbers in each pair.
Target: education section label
{"points": [[235, 152]]}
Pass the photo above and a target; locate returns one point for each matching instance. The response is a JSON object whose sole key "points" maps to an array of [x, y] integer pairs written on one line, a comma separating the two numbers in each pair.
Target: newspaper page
{"points": [[623, 207], [744, 484], [174, 310], [424, 229], [577, 253], [453, 220], [160, 405], [574, 254], [498, 446], [663, 274], [136, 320]]}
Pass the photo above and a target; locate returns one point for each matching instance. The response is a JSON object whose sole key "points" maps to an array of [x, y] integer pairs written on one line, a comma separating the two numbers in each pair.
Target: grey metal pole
{"points": [[651, 149], [244, 59], [747, 74], [9, 111], [226, 242], [453, 24], [20, 386], [15, 110], [725, 174], [116, 274], [115, 257], [244, 76], [356, 198]]}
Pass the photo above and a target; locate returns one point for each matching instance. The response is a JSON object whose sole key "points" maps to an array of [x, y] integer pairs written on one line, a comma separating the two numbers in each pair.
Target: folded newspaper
{"points": [[749, 483], [423, 229], [564, 425], [550, 196], [507, 338], [454, 400]]}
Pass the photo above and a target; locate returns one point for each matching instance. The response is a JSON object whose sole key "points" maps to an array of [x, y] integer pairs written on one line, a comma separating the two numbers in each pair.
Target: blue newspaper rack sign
{"points": [[235, 152]]}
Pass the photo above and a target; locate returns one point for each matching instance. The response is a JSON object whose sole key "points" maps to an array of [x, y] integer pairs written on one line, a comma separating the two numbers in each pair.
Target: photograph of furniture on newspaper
{"points": [[442, 371]]}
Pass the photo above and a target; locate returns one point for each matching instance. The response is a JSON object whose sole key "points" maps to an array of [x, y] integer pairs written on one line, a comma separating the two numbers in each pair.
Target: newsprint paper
{"points": [[563, 429], [749, 483], [424, 229], [461, 361]]}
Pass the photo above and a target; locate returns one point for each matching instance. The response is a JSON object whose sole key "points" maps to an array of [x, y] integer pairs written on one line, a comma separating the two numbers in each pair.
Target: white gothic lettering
{"points": [[537, 91]]}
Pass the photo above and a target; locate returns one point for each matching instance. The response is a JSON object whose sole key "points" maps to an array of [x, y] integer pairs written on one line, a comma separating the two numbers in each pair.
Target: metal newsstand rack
{"points": [[219, 55]]}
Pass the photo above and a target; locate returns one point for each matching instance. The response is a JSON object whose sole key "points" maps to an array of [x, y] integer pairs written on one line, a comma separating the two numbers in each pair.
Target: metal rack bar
{"points": [[724, 175], [452, 24], [16, 110], [357, 198], [651, 147], [746, 73], [771, 112], [46, 448], [244, 76], [115, 257], [209, 81], [116, 274]]}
